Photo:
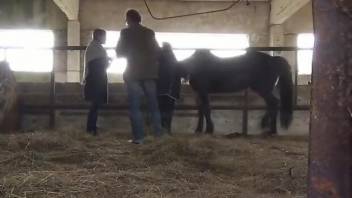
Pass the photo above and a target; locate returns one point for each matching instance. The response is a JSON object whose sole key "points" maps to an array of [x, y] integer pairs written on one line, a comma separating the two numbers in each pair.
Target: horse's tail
{"points": [[286, 91]]}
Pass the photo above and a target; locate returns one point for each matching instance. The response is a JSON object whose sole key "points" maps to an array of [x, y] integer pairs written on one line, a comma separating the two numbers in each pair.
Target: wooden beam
{"points": [[281, 10], [69, 7]]}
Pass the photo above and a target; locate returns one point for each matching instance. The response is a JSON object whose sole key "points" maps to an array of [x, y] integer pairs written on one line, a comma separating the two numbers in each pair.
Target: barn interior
{"points": [[70, 23], [44, 43]]}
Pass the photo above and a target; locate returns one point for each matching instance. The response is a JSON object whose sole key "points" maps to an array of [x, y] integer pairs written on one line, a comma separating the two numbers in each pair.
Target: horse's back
{"points": [[219, 75]]}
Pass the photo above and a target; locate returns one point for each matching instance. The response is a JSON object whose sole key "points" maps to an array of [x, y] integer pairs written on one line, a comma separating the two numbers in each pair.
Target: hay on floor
{"points": [[74, 164]]}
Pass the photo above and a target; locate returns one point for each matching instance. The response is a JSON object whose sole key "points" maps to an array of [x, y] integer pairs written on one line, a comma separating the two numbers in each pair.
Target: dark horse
{"points": [[255, 70]]}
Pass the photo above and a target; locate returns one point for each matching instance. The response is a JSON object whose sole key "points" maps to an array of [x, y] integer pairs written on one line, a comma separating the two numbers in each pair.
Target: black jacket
{"points": [[96, 82], [138, 44]]}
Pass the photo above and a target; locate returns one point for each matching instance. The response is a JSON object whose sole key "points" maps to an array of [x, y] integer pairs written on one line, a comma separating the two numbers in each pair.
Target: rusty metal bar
{"points": [[52, 100], [82, 48], [295, 66], [28, 108], [330, 149], [53, 107], [245, 113]]}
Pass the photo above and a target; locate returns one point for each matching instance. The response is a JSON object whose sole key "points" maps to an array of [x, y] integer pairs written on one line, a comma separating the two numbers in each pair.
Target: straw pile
{"points": [[73, 164]]}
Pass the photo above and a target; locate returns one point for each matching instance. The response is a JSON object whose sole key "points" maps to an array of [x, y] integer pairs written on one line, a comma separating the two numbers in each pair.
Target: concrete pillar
{"points": [[73, 57], [277, 37]]}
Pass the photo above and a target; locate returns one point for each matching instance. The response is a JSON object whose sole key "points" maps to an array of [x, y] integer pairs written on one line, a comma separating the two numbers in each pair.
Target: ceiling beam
{"points": [[281, 10], [69, 7]]}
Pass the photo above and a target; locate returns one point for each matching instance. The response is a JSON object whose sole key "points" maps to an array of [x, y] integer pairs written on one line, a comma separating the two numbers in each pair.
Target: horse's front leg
{"points": [[210, 124], [205, 106], [199, 128]]}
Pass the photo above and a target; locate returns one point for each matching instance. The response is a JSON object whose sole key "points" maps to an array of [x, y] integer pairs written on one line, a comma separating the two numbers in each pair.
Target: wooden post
{"points": [[330, 149]]}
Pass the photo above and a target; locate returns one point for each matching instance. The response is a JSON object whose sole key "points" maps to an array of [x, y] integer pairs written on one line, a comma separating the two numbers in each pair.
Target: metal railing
{"points": [[51, 107]]}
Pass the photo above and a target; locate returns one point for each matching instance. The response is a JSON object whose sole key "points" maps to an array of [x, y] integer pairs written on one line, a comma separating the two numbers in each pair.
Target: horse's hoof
{"points": [[265, 123], [198, 132], [209, 131], [233, 135], [269, 134]]}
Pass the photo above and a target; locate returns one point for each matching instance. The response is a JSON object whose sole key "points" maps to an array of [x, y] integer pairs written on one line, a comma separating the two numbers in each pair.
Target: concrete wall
{"points": [[36, 14], [31, 14], [110, 14], [300, 22]]}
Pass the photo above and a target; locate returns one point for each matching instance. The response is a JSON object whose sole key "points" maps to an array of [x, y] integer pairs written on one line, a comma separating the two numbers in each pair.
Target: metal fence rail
{"points": [[245, 107]]}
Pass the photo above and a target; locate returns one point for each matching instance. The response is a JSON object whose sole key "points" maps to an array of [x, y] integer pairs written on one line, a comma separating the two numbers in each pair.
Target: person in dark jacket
{"points": [[169, 85], [138, 44], [95, 78]]}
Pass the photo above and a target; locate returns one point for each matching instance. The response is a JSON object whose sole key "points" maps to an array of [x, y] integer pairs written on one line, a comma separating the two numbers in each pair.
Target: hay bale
{"points": [[9, 105]]}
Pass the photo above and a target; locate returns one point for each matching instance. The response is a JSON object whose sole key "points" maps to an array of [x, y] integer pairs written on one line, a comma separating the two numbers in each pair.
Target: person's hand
{"points": [[109, 60]]}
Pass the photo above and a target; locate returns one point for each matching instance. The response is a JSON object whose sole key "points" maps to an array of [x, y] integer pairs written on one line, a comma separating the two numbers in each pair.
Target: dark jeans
{"points": [[92, 118], [135, 90], [167, 107]]}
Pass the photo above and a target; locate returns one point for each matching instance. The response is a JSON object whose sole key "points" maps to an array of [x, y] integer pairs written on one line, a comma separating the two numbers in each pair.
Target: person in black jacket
{"points": [[138, 45], [169, 85], [95, 78]]}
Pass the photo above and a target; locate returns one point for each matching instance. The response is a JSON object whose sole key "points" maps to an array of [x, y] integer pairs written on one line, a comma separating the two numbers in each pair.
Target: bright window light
{"points": [[305, 57], [2, 54], [223, 45], [184, 44], [118, 65], [30, 57]]}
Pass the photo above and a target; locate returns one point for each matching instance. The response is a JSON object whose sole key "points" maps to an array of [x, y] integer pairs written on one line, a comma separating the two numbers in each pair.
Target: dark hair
{"points": [[98, 33], [133, 15], [167, 46]]}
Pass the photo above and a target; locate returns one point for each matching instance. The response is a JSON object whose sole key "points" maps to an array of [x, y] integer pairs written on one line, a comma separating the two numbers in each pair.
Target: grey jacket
{"points": [[138, 44]]}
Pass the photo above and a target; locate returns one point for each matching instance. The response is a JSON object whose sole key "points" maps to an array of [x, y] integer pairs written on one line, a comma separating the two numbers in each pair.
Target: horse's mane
{"points": [[204, 58], [207, 55]]}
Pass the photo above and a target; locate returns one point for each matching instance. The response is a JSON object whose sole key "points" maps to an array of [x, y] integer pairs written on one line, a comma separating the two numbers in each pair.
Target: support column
{"points": [[73, 57], [277, 37], [330, 153]]}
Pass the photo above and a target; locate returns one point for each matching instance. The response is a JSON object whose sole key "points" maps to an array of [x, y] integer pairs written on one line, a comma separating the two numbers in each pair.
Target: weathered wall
{"points": [[300, 22], [31, 14], [36, 14], [110, 14]]}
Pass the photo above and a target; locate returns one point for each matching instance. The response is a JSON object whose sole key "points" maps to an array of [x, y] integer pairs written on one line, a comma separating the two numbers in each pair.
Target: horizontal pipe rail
{"points": [[52, 107], [27, 108], [82, 48]]}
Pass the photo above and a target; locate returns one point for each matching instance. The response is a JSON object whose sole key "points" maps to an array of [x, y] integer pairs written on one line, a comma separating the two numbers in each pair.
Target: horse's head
{"points": [[169, 62]]}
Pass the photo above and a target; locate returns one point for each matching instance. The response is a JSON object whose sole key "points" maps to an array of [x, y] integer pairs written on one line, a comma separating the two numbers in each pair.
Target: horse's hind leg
{"points": [[205, 106], [199, 128], [272, 105], [265, 120]]}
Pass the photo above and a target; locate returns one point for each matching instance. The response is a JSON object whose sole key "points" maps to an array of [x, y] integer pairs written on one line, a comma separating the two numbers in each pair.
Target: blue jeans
{"points": [[135, 90]]}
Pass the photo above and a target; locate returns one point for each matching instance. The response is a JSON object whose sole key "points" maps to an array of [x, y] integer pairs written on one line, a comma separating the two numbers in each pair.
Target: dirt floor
{"points": [[74, 164]]}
